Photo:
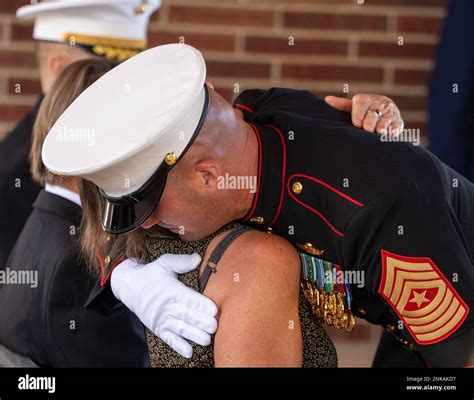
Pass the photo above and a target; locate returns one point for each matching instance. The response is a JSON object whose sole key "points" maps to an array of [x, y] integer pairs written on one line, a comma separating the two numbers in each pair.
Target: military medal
{"points": [[330, 300]]}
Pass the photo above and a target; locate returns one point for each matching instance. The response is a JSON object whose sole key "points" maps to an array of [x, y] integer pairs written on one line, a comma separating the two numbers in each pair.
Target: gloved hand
{"points": [[170, 309]]}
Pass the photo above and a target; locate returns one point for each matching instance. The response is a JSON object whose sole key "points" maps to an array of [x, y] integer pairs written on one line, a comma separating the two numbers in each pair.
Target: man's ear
{"points": [[56, 63], [208, 172]]}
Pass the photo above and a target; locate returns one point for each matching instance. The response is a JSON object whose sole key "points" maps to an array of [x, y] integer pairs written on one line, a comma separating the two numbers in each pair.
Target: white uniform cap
{"points": [[126, 130], [115, 29]]}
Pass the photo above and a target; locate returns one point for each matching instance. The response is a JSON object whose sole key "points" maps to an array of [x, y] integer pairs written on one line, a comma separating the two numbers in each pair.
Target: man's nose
{"points": [[152, 220]]}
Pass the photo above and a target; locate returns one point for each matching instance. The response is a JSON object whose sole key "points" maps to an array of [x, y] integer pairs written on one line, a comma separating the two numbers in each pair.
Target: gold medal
{"points": [[340, 305], [350, 321]]}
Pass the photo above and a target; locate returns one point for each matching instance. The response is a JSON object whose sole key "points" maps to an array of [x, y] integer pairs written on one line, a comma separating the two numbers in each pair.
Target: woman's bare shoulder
{"points": [[253, 259], [255, 244], [256, 289]]}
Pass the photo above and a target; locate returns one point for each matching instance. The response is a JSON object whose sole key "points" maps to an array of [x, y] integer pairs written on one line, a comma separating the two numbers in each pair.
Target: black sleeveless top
{"points": [[318, 349]]}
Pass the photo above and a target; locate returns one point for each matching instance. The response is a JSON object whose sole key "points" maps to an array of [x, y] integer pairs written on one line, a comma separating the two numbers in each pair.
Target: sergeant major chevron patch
{"points": [[423, 298]]}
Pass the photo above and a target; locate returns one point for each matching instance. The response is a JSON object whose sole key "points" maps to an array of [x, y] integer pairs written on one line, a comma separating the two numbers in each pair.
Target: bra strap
{"points": [[216, 255]]}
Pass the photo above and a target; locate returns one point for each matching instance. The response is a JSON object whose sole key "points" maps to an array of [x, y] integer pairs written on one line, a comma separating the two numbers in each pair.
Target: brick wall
{"points": [[246, 44]]}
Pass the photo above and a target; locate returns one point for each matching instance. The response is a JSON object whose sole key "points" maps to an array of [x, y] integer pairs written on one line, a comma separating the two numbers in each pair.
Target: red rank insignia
{"points": [[423, 298]]}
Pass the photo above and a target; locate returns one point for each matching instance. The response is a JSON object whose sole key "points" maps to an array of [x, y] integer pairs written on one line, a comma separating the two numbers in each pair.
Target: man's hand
{"points": [[372, 112], [170, 309]]}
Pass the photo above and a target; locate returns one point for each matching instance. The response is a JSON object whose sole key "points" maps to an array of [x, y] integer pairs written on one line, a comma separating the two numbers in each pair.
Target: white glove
{"points": [[170, 309]]}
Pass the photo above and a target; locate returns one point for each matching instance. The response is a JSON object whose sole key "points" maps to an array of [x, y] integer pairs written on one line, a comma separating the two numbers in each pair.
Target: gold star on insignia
{"points": [[419, 298]]}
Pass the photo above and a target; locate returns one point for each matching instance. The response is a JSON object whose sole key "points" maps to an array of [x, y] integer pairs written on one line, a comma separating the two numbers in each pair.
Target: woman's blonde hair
{"points": [[96, 246], [73, 80]]}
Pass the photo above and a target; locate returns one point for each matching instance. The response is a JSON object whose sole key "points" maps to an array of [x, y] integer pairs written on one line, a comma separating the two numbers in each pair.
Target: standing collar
{"points": [[268, 199]]}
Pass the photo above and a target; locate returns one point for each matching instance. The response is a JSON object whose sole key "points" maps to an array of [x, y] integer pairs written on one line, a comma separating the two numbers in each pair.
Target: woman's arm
{"points": [[256, 288]]}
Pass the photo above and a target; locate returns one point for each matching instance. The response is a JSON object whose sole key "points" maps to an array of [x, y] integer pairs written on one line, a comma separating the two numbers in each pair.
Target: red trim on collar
{"points": [[255, 199], [103, 280], [283, 174], [105, 277], [244, 107]]}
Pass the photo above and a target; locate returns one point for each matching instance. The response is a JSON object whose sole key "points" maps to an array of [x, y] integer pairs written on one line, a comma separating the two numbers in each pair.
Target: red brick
{"points": [[28, 86], [413, 76], [332, 72], [22, 31], [255, 44], [13, 112], [227, 92], [9, 58], [157, 15], [324, 93], [393, 50], [238, 69], [335, 21], [419, 24], [221, 16], [202, 41], [10, 6], [404, 3], [409, 103], [312, 2], [408, 3]]}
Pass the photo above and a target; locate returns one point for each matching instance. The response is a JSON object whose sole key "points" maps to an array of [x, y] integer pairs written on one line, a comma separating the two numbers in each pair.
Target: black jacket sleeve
{"points": [[417, 257], [77, 337]]}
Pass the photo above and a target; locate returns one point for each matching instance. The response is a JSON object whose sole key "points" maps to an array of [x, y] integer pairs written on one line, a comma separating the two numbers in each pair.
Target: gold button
{"points": [[269, 230], [257, 220], [390, 328], [141, 8], [297, 187], [107, 260], [362, 311], [309, 248], [170, 158]]}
